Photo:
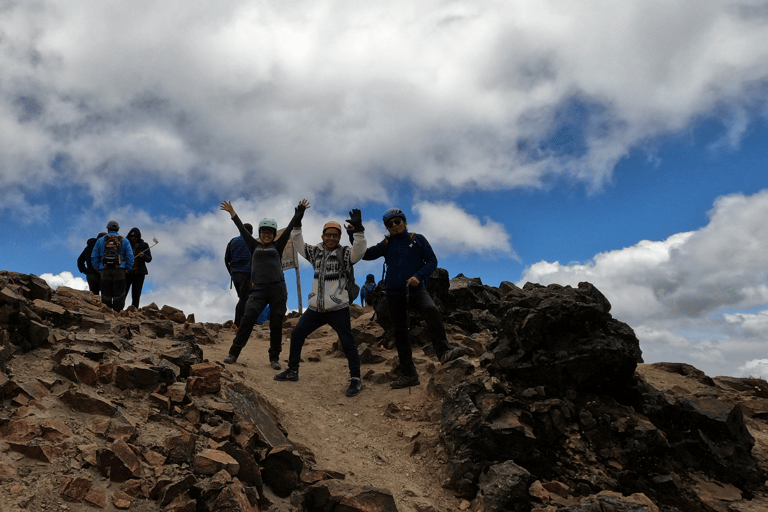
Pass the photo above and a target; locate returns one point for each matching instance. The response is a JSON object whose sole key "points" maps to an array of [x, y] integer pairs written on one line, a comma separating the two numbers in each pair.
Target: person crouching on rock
{"points": [[329, 299], [410, 262], [267, 282]]}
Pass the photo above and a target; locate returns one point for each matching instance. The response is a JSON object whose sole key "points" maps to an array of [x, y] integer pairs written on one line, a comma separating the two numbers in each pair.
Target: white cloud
{"points": [[678, 293], [452, 230], [303, 95], [65, 279]]}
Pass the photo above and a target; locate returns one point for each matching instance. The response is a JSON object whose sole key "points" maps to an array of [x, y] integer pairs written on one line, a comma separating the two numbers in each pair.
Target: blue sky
{"points": [[621, 144]]}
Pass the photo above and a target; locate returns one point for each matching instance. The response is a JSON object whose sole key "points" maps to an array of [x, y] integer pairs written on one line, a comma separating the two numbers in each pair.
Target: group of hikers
{"points": [[409, 259], [114, 266]]}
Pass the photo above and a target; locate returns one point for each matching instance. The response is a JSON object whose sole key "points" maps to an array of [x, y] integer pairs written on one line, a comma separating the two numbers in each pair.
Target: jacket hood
{"points": [[134, 230]]}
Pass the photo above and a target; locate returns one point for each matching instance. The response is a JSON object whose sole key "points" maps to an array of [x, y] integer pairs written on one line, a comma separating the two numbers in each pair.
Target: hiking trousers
{"points": [[275, 295], [134, 283], [340, 322], [420, 301], [94, 281], [113, 288], [242, 282]]}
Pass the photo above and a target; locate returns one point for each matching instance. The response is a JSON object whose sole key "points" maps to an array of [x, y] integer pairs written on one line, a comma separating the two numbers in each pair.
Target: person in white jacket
{"points": [[329, 299]]}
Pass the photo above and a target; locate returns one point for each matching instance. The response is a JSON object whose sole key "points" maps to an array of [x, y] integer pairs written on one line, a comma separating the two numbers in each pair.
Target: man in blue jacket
{"points": [[111, 256], [410, 262]]}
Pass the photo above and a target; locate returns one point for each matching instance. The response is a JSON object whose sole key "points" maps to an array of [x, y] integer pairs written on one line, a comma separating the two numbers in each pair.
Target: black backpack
{"points": [[112, 246]]}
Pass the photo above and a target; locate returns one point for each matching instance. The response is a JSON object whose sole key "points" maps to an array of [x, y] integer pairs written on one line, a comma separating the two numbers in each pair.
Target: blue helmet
{"points": [[393, 213]]}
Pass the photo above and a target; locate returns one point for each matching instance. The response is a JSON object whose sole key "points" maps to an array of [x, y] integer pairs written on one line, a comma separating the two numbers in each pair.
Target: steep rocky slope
{"points": [[550, 409]]}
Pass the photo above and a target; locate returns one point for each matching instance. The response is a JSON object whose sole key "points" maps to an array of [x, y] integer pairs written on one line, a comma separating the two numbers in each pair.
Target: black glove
{"points": [[298, 215], [356, 220]]}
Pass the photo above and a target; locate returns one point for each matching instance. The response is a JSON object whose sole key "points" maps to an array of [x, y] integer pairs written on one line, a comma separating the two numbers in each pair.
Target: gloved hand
{"points": [[299, 212], [356, 220]]}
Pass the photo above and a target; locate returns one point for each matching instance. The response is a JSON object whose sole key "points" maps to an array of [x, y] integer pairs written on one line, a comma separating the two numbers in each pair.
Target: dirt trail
{"points": [[383, 437]]}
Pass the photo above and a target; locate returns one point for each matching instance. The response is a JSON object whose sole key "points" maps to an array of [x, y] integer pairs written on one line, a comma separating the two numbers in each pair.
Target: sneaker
{"points": [[405, 381], [230, 359], [451, 354], [355, 386], [275, 364], [289, 374]]}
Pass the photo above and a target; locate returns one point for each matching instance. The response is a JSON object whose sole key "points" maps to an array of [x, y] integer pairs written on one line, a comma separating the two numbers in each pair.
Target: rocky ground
{"points": [[136, 411]]}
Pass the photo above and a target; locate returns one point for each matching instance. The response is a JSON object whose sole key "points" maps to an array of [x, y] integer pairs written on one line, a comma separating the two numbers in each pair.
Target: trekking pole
{"points": [[408, 331]]}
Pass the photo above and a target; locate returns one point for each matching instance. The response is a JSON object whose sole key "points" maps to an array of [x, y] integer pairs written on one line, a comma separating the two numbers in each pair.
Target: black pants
{"points": [[340, 322], [135, 283], [274, 294], [113, 288], [419, 300], [94, 281], [242, 282]]}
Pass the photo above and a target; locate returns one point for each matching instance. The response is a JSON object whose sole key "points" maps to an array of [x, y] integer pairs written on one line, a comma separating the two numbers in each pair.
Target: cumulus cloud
{"points": [[470, 94], [451, 229], [65, 279], [679, 293]]}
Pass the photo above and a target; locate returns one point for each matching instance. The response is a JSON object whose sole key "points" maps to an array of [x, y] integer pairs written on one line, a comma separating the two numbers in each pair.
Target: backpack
{"points": [[112, 246], [352, 288]]}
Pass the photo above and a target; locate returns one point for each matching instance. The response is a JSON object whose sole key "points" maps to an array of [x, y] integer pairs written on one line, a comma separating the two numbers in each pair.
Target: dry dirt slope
{"points": [[383, 437]]}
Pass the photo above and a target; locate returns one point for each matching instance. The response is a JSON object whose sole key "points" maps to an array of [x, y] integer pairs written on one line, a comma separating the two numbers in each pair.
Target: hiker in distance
{"points": [[237, 259], [134, 277], [410, 261], [267, 282], [329, 299], [111, 256], [85, 266], [366, 289]]}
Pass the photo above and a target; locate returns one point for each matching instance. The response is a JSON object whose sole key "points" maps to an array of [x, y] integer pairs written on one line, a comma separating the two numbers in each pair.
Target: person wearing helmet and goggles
{"points": [[410, 262], [267, 282]]}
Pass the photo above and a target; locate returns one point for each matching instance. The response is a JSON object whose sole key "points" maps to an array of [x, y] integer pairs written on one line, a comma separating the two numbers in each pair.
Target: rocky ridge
{"points": [[550, 409]]}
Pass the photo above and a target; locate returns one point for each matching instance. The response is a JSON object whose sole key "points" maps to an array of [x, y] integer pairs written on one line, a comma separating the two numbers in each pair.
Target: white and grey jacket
{"points": [[329, 286]]}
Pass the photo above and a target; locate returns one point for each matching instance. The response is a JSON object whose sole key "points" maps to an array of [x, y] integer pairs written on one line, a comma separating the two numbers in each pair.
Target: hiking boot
{"points": [[405, 381], [355, 386], [275, 364], [289, 374], [230, 359], [451, 354]]}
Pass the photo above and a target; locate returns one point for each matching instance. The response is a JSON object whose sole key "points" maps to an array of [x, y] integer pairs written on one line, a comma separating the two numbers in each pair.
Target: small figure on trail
{"points": [[111, 256], [366, 289], [267, 282], [410, 262], [237, 258], [134, 277], [329, 299], [85, 266]]}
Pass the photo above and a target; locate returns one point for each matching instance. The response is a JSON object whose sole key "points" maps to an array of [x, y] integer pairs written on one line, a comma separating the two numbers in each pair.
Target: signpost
{"points": [[291, 260]]}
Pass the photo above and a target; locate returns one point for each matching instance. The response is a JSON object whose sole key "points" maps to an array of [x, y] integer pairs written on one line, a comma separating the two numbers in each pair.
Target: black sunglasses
{"points": [[393, 222]]}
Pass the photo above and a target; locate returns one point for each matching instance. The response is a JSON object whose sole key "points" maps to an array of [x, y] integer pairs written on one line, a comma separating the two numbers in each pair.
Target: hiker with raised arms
{"points": [[267, 282], [330, 297], [410, 262], [111, 256]]}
